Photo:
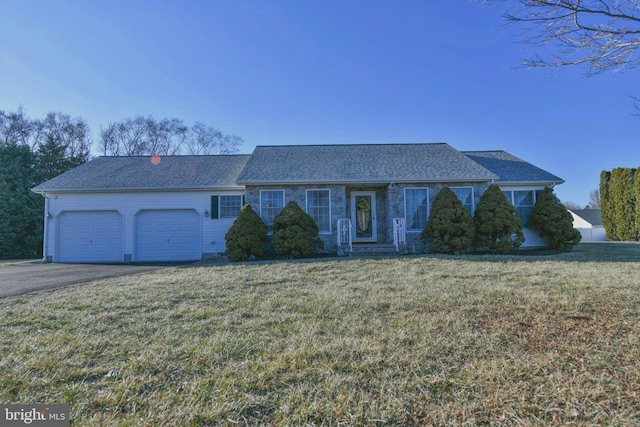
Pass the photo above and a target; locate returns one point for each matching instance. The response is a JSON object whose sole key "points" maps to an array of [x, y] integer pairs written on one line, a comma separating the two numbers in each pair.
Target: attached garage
{"points": [[167, 235], [133, 209], [90, 236]]}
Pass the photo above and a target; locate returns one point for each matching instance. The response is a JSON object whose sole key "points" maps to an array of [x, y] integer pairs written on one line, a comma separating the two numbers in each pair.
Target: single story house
{"points": [[589, 223], [178, 208]]}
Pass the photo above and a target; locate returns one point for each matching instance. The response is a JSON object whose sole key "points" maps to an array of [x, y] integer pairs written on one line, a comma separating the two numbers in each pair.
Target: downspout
{"points": [[46, 228]]}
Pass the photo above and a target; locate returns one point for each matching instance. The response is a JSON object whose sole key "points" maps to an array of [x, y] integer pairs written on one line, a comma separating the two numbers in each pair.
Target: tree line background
{"points": [[34, 150]]}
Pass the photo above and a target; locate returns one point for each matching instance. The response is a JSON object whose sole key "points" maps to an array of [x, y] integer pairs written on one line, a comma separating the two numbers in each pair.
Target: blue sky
{"points": [[319, 72]]}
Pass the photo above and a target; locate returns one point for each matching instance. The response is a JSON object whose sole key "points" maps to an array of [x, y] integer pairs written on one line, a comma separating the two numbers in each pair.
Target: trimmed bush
{"points": [[295, 233], [450, 227], [246, 237], [497, 226], [554, 222]]}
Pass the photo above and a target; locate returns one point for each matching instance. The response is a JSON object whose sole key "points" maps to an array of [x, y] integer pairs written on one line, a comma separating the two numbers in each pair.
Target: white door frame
{"points": [[373, 217]]}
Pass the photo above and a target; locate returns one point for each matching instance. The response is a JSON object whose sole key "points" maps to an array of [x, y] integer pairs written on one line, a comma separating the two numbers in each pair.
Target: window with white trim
{"points": [[465, 195], [226, 206], [319, 208], [523, 201], [230, 206], [416, 208], [271, 203]]}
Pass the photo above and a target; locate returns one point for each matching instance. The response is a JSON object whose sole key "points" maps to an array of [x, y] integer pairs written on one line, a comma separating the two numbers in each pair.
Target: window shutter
{"points": [[243, 202], [214, 207]]}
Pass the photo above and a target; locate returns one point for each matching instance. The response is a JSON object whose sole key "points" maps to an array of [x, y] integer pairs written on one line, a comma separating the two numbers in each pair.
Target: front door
{"points": [[363, 216]]}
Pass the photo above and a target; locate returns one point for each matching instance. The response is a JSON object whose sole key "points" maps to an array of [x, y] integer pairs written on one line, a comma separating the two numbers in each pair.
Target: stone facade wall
{"points": [[298, 194], [389, 205], [414, 243]]}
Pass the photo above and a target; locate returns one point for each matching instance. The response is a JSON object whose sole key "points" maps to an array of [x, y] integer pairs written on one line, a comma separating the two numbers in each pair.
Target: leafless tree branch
{"points": [[140, 136], [599, 34]]}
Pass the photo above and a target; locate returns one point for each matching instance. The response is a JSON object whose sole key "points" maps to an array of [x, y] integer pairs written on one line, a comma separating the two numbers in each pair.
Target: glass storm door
{"points": [[363, 216]]}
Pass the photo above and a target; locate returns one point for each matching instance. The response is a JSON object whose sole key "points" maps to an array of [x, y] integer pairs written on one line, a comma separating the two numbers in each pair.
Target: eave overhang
{"points": [[529, 183], [135, 190], [364, 182]]}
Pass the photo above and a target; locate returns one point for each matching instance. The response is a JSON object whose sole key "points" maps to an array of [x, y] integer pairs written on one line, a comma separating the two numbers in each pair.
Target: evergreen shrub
{"points": [[246, 237], [295, 233], [450, 227], [554, 222], [498, 229]]}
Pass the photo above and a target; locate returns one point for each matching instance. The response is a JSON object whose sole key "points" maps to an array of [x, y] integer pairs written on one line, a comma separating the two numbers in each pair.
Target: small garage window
{"points": [[225, 206]]}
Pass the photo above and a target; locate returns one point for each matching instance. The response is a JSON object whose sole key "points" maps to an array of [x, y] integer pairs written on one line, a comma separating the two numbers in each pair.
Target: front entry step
{"points": [[367, 250]]}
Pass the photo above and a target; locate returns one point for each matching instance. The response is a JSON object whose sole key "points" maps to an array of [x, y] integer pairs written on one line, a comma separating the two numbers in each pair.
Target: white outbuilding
{"points": [[589, 223]]}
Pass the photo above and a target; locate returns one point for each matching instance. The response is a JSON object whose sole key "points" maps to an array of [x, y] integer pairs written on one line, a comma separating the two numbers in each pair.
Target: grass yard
{"points": [[446, 340]]}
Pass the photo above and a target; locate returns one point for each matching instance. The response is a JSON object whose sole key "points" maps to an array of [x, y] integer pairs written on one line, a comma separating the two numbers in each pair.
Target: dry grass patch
{"points": [[407, 341]]}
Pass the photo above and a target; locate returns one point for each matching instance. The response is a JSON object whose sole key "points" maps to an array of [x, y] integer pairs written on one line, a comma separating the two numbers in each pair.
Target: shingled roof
{"points": [[139, 173], [361, 163], [300, 164], [511, 169], [592, 216]]}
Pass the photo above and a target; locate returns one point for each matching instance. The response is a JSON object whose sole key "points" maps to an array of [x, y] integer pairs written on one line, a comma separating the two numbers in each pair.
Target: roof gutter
{"points": [[531, 183], [385, 181], [135, 190]]}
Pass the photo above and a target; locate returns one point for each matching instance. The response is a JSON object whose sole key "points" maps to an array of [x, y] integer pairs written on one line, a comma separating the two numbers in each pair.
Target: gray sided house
{"points": [[122, 209]]}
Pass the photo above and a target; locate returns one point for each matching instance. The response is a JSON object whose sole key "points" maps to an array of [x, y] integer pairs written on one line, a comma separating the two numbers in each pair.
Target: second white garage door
{"points": [[168, 235]]}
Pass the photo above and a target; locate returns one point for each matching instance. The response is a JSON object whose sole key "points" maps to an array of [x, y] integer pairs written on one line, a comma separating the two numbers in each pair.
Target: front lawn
{"points": [[515, 340]]}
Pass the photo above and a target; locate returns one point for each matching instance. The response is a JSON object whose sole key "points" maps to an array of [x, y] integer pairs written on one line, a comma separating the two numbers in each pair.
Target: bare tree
{"points": [[126, 138], [16, 128], [572, 206], [69, 137], [165, 136], [140, 136], [600, 34], [594, 200], [61, 129], [203, 139], [230, 144]]}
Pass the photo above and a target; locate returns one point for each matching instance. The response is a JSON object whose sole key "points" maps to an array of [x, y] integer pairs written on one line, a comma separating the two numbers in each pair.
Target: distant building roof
{"points": [[139, 173], [592, 216], [361, 163], [511, 169]]}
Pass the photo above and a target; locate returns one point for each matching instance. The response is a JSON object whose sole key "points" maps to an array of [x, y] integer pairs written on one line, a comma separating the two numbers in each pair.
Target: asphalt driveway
{"points": [[24, 277]]}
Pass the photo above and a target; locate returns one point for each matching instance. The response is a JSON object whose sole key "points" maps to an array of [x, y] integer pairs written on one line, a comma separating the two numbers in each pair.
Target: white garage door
{"points": [[168, 235], [92, 236]]}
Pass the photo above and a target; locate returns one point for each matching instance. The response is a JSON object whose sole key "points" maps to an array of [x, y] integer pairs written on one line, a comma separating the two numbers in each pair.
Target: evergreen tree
{"points": [[450, 226], [623, 202], [52, 160], [606, 207], [554, 222], [636, 195], [295, 233], [21, 211], [497, 226], [31, 152], [246, 236]]}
